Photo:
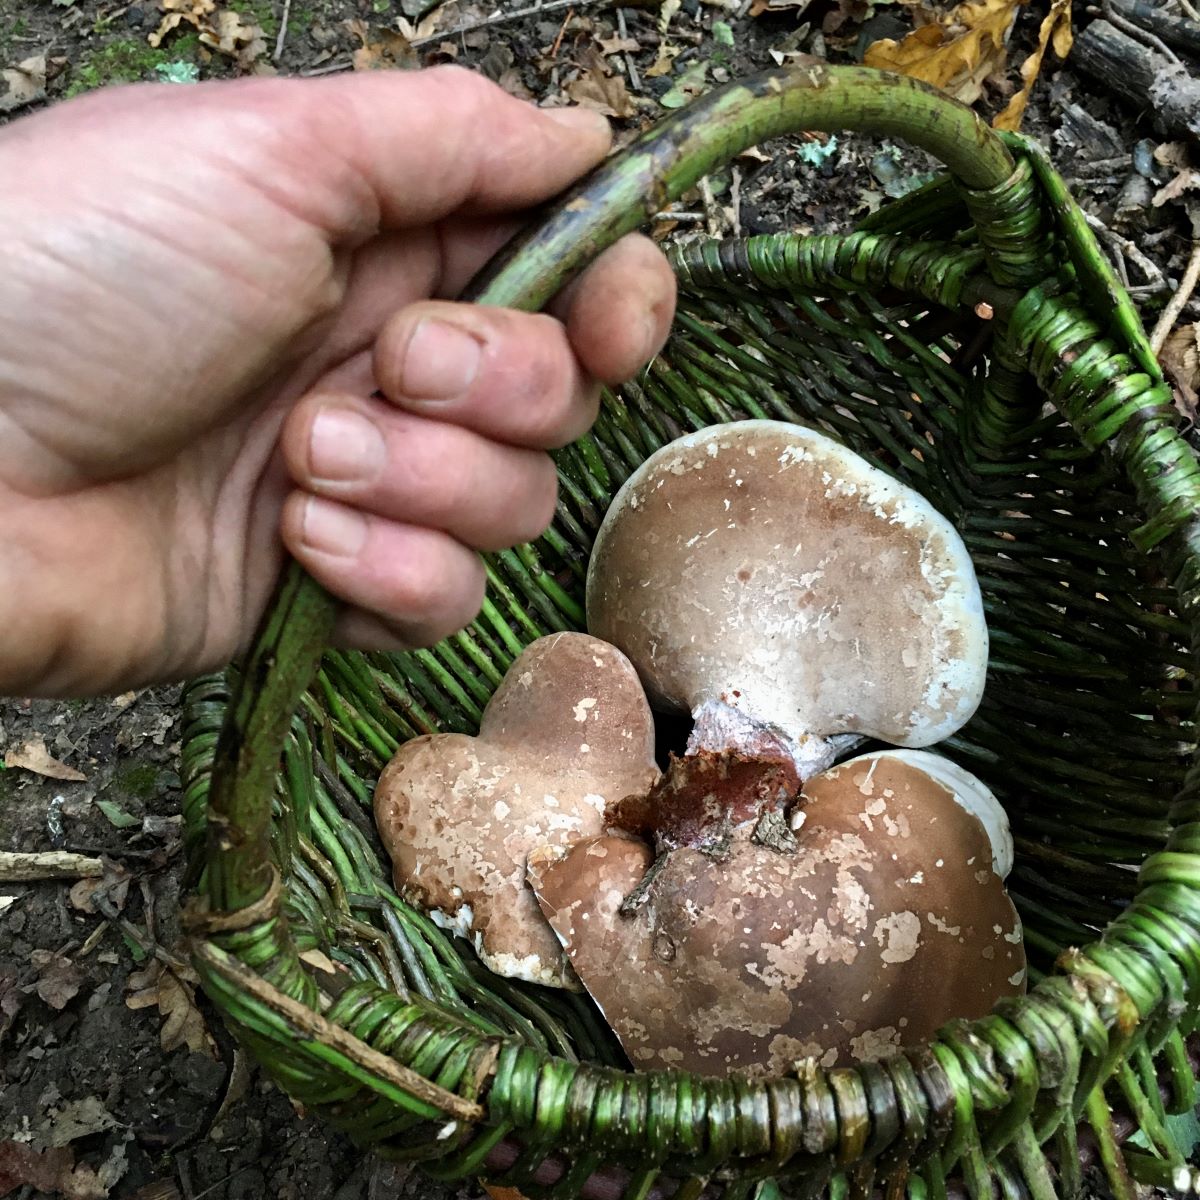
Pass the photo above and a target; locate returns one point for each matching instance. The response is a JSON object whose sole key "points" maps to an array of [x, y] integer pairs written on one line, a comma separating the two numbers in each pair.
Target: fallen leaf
{"points": [[772, 6], [178, 12], [183, 1023], [230, 34], [383, 52], [315, 958], [956, 53], [664, 61], [618, 45], [59, 979], [1180, 361], [1055, 31], [1177, 157], [666, 11], [75, 1119], [26, 83], [47, 1171], [113, 885], [116, 816], [32, 755], [605, 93]]}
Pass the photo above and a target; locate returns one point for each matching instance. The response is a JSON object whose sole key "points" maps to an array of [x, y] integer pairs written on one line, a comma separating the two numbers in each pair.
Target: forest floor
{"points": [[114, 1079]]}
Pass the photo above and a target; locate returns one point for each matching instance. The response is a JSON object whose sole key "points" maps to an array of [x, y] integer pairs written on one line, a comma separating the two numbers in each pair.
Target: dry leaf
{"points": [[177, 12], [75, 1119], [59, 979], [956, 54], [32, 755], [183, 1023], [26, 83], [667, 54], [1177, 157], [315, 958], [618, 45], [605, 93], [47, 1171], [113, 885], [1180, 361], [387, 52], [772, 6], [1056, 31]]}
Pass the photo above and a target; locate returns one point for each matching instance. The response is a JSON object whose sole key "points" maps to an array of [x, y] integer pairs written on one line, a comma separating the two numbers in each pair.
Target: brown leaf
{"points": [[605, 93], [73, 1120], [177, 12], [113, 885], [47, 1171], [957, 53], [59, 979], [1180, 361], [1056, 31], [618, 45], [32, 755], [388, 51], [26, 83], [183, 1023]]}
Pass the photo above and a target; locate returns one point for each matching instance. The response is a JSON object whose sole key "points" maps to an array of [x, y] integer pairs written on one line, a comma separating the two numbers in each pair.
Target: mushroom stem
{"points": [[719, 727]]}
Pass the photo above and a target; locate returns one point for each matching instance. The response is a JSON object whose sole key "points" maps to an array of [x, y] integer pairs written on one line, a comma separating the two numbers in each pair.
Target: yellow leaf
{"points": [[957, 54], [1056, 31]]}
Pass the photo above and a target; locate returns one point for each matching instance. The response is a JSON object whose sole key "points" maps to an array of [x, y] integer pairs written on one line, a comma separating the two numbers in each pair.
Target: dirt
{"points": [[84, 1077]]}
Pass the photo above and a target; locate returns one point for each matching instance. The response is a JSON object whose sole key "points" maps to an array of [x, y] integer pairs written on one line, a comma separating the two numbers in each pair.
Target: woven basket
{"points": [[970, 340]]}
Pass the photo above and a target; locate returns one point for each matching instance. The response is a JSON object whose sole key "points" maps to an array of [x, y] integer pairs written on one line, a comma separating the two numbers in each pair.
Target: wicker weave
{"points": [[971, 341]]}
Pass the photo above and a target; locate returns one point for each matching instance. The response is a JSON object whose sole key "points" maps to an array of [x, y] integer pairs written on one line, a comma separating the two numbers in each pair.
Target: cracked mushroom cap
{"points": [[886, 921], [567, 732], [764, 578]]}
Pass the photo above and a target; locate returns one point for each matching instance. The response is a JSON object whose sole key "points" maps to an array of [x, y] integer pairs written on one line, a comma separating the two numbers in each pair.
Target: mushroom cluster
{"points": [[756, 904]]}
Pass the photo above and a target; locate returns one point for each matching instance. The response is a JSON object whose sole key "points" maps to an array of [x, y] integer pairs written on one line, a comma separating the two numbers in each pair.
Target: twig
{"points": [[328, 69], [283, 28], [1137, 32], [1177, 303], [1189, 10], [562, 32], [502, 18], [146, 944], [47, 864], [630, 66], [1130, 248], [735, 200]]}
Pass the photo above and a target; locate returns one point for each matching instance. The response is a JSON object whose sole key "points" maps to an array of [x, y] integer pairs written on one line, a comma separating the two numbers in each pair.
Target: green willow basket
{"points": [[969, 339]]}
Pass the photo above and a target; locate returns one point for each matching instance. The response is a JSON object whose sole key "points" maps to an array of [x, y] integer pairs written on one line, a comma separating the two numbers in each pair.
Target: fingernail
{"points": [[333, 529], [441, 362], [585, 120], [344, 445]]}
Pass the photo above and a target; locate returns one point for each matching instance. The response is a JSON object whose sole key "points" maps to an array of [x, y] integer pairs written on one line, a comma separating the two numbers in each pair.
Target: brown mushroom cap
{"points": [[567, 732], [886, 922], [773, 583]]}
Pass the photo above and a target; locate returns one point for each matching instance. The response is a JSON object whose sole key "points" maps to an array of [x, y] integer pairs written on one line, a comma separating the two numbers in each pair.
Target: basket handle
{"points": [[615, 199]]}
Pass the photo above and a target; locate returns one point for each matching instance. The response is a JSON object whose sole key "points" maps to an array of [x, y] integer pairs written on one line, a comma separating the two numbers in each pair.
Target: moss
{"points": [[142, 780], [123, 60], [261, 12]]}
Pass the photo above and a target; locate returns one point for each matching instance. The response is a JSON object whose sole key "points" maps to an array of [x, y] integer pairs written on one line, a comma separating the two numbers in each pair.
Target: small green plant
{"points": [[261, 12], [124, 60]]}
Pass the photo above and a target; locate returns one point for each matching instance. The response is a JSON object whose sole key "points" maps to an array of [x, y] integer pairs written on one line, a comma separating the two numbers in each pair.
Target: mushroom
{"points": [[790, 596], [567, 732], [860, 921]]}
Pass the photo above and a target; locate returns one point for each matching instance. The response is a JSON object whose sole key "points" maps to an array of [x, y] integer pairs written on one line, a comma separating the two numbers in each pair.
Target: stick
{"points": [[630, 66], [1170, 314], [1138, 32], [1150, 83], [1175, 31], [48, 864], [283, 28], [501, 18]]}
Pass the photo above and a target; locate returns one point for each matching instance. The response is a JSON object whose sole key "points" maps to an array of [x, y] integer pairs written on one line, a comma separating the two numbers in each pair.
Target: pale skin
{"points": [[204, 286]]}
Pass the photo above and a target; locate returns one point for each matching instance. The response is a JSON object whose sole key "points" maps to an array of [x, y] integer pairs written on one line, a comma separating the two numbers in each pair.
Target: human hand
{"points": [[202, 289]]}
